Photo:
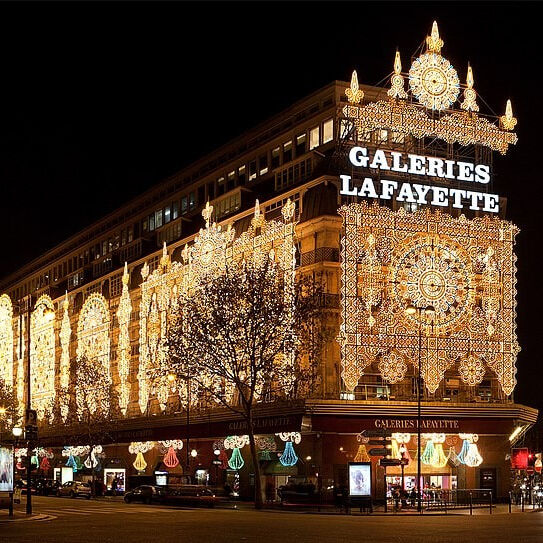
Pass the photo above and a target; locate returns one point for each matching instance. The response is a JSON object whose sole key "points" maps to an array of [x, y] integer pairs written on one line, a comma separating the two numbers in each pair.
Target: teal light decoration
{"points": [[34, 460], [78, 462], [71, 463], [288, 458], [463, 451], [429, 455], [265, 455], [236, 460]]}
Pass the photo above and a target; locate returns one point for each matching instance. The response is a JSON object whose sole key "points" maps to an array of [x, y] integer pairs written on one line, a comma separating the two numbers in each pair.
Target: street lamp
{"points": [[429, 312], [49, 316], [17, 433]]}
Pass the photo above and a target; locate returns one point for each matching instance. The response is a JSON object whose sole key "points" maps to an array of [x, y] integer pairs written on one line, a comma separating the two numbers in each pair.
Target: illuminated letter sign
{"points": [[448, 170]]}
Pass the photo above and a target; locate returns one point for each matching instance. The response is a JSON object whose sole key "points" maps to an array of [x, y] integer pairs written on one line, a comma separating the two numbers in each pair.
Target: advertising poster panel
{"points": [[360, 479], [6, 470]]}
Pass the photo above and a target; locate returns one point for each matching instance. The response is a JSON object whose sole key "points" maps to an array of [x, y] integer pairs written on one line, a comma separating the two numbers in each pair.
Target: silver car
{"points": [[73, 489]]}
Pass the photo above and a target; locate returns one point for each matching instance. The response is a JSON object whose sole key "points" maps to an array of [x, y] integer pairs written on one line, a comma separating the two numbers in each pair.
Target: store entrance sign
{"points": [[470, 175]]}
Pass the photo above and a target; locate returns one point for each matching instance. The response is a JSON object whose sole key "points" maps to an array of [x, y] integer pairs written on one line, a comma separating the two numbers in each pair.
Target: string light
{"points": [[140, 464], [236, 460], [170, 458], [6, 341], [362, 454], [64, 368], [123, 348]]}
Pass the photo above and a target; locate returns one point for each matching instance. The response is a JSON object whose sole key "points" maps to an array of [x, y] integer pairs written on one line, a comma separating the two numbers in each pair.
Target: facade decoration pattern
{"points": [[123, 347], [465, 269], [6, 341], [64, 368], [42, 357]]}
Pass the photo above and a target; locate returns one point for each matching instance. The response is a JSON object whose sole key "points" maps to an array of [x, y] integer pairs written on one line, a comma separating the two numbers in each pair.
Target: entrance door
{"points": [[487, 479]]}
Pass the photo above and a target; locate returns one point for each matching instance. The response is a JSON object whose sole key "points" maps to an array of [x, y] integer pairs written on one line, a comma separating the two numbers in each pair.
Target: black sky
{"points": [[99, 101]]}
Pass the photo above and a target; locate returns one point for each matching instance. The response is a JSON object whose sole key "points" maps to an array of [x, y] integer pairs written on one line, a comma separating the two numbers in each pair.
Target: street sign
{"points": [[31, 417], [381, 432], [390, 462], [31, 433], [378, 452], [380, 442]]}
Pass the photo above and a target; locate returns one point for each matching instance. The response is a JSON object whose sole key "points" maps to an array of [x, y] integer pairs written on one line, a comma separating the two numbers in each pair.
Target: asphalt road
{"points": [[100, 521]]}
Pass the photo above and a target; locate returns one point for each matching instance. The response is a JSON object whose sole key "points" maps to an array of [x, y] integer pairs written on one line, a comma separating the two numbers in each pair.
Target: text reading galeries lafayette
{"points": [[453, 170]]}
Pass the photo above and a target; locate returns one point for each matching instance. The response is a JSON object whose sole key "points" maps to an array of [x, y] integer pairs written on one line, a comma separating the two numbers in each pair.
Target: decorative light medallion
{"points": [[434, 82], [472, 370]]}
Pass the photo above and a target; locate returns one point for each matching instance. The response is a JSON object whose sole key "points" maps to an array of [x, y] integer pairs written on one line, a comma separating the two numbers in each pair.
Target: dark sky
{"points": [[102, 100]]}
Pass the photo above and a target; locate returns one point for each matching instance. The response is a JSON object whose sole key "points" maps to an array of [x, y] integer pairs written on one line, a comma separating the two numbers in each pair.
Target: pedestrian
{"points": [[114, 484], [413, 497], [396, 497]]}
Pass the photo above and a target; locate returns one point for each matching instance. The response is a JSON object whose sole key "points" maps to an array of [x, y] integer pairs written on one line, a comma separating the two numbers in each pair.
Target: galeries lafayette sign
{"points": [[416, 193]]}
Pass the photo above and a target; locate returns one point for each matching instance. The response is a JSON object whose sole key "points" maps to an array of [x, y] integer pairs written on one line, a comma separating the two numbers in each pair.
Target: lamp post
{"points": [[49, 315], [17, 433], [428, 312]]}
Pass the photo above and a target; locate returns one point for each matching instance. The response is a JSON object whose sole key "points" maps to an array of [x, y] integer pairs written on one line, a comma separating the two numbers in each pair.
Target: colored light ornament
{"points": [[93, 343], [396, 81], [223, 457], [354, 93], [265, 455], [71, 463], [170, 458], [440, 460], [236, 442], [140, 446], [429, 456], [508, 122], [123, 349], [424, 267], [463, 451], [394, 450], [140, 464], [473, 458], [236, 460], [294, 437], [42, 354], [288, 458], [64, 368], [469, 103], [45, 465], [6, 341], [362, 454]]}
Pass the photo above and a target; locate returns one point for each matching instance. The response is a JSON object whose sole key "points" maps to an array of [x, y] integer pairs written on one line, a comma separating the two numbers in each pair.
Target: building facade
{"points": [[385, 196]]}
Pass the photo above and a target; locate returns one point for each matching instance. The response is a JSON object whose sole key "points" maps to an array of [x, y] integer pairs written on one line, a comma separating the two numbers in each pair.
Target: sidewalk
{"points": [[21, 516]]}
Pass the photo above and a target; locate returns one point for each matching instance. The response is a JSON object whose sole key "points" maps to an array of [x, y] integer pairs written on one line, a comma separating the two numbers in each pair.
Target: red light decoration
{"points": [[170, 458], [45, 465], [519, 458]]}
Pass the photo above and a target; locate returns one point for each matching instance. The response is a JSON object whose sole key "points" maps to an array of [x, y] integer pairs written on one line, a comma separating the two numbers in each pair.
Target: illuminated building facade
{"points": [[383, 194]]}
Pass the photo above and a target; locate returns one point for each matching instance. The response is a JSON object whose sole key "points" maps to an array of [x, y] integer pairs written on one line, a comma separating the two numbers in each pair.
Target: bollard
{"points": [[509, 501], [522, 502], [491, 503], [470, 503]]}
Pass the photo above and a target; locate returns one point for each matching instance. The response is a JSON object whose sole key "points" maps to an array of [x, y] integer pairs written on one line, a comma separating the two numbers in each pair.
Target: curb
{"points": [[33, 518]]}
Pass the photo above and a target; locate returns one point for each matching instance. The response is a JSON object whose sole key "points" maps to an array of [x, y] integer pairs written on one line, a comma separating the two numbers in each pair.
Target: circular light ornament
{"points": [[434, 82]]}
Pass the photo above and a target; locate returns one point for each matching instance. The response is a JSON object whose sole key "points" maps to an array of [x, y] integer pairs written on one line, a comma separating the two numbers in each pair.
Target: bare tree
{"points": [[88, 402], [241, 338]]}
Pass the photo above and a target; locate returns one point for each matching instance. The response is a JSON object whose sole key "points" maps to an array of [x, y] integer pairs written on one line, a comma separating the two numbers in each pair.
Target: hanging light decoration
{"points": [[236, 460], [71, 463], [470, 455], [140, 464], [45, 466], [170, 458], [463, 452], [288, 458], [223, 457], [428, 457], [362, 454]]}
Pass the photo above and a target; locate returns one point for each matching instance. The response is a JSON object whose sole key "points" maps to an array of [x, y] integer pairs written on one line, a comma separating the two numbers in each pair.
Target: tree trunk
{"points": [[256, 465]]}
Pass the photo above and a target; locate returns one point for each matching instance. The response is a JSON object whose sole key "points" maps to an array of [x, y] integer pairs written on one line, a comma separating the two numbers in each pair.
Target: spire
{"points": [[66, 302], [470, 96], [354, 94], [507, 121], [206, 213], [258, 219], [126, 276], [165, 260], [396, 81], [433, 41]]}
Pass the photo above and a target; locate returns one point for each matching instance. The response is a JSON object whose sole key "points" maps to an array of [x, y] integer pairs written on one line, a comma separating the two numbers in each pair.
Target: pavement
{"points": [[60, 520]]}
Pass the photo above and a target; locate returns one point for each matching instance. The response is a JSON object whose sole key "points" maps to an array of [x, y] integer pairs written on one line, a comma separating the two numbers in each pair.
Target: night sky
{"points": [[100, 101]]}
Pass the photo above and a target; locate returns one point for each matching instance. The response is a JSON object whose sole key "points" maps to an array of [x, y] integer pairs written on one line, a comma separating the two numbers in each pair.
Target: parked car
{"points": [[145, 494], [47, 487], [190, 495], [73, 489], [21, 483]]}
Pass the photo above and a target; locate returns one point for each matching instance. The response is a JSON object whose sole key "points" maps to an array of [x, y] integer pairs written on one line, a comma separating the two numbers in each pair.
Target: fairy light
{"points": [[470, 96], [64, 368], [289, 457], [354, 93], [508, 122], [396, 81], [6, 341]]}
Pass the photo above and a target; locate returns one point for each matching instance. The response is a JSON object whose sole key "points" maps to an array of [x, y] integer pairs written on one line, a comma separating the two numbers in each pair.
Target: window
{"points": [[104, 246], [301, 144], [158, 218], [327, 131], [287, 151], [144, 225], [167, 214], [241, 175], [231, 180], [175, 210], [397, 137], [263, 164], [275, 157], [151, 222], [130, 234], [252, 170], [123, 237], [184, 204], [314, 138], [192, 200]]}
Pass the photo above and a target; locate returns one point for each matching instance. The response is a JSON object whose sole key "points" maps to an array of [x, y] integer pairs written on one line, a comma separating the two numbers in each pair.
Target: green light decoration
{"points": [[78, 463], [463, 451], [265, 455], [288, 458], [71, 463], [430, 455], [34, 460], [236, 460]]}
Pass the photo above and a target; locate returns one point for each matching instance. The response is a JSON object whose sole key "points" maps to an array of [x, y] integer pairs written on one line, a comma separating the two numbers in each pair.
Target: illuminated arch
{"points": [[93, 333], [42, 356], [6, 340]]}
